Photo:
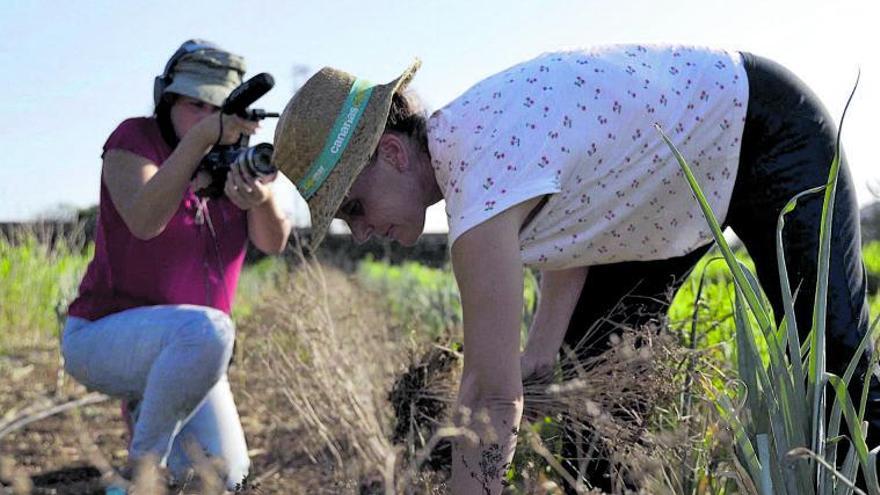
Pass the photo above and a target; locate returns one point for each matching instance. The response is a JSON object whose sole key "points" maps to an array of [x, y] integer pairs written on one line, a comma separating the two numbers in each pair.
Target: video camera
{"points": [[257, 159]]}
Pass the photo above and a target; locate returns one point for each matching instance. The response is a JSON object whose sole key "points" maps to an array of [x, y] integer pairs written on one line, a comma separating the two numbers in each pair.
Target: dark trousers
{"points": [[787, 147]]}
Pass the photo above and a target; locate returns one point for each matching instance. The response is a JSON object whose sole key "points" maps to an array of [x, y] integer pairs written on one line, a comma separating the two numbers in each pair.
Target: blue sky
{"points": [[74, 70]]}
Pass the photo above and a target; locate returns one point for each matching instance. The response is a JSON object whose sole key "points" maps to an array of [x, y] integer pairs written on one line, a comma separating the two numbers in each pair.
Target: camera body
{"points": [[255, 159]]}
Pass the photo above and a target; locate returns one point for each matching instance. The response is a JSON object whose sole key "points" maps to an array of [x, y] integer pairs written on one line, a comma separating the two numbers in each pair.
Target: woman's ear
{"points": [[393, 151]]}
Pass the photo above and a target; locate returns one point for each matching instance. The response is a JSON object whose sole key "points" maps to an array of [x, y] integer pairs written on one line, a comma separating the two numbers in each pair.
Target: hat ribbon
{"points": [[341, 132]]}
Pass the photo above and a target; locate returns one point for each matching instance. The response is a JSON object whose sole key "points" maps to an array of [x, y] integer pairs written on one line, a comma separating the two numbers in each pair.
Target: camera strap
{"points": [[200, 211], [203, 217]]}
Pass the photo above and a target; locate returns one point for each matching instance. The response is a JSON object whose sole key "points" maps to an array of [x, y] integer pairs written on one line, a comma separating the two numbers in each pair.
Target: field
{"points": [[321, 371]]}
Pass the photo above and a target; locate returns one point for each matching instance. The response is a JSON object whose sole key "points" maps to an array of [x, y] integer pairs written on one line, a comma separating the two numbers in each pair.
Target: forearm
{"points": [[268, 226], [158, 199], [489, 272], [559, 294], [490, 396], [480, 467]]}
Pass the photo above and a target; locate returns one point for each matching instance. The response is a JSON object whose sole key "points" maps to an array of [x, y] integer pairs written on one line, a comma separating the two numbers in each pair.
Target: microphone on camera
{"points": [[249, 92]]}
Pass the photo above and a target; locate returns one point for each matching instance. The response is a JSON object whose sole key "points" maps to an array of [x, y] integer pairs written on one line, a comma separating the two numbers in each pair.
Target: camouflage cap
{"points": [[207, 75]]}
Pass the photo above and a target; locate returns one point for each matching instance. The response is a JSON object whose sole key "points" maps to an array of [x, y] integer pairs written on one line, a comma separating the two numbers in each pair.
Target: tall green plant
{"points": [[779, 417]]}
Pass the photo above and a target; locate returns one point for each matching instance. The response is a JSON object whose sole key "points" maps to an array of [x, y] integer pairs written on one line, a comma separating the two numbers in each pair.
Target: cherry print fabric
{"points": [[578, 126]]}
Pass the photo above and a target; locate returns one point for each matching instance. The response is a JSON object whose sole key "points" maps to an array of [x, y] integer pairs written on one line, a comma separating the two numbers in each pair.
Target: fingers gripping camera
{"points": [[256, 159]]}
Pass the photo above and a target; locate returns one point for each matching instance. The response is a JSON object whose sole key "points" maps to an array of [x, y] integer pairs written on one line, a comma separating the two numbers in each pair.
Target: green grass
{"points": [[713, 327], [419, 298], [38, 282], [424, 299], [35, 283]]}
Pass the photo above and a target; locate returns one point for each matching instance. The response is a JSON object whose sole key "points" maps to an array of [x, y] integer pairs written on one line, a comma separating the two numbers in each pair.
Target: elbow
{"points": [[143, 225], [271, 243], [144, 232], [274, 246], [145, 235], [271, 250]]}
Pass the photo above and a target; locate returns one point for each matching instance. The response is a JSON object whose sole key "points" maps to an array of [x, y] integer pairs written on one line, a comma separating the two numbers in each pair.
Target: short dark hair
{"points": [[408, 117]]}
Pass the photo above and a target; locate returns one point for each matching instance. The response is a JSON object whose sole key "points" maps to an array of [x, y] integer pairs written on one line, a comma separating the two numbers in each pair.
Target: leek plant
{"points": [[785, 439]]}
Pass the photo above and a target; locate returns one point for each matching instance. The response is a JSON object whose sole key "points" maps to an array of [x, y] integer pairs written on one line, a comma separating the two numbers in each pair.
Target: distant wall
{"points": [[342, 251]]}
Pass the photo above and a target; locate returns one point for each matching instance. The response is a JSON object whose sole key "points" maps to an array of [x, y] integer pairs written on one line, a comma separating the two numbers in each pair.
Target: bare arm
{"points": [[560, 291], [268, 226], [489, 272], [146, 195]]}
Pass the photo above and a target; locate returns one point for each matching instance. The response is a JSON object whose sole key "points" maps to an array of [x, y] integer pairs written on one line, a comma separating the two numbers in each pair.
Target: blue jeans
{"points": [[173, 361]]}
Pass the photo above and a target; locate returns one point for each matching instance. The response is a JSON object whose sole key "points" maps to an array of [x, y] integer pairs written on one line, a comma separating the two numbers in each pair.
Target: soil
{"points": [[51, 455]]}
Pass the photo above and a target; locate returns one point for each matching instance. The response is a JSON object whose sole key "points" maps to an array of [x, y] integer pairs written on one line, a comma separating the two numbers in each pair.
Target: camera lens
{"points": [[258, 159]]}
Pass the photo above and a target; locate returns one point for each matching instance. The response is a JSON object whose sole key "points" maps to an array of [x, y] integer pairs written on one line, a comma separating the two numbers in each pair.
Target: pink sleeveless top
{"points": [[182, 265]]}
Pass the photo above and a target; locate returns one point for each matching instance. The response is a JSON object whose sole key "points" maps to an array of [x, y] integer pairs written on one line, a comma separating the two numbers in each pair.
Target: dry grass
{"points": [[332, 358], [335, 398], [606, 400], [373, 407]]}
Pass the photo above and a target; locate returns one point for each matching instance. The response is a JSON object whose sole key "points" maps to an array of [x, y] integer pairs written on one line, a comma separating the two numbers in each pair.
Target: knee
{"points": [[76, 353], [211, 336], [218, 337]]}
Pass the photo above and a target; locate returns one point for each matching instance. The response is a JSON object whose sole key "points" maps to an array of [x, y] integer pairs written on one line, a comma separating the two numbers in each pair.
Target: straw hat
{"points": [[327, 134]]}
